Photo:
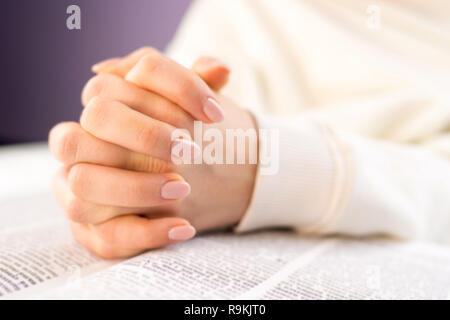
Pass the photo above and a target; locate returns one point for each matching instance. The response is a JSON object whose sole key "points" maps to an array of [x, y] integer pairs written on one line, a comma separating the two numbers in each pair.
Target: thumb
{"points": [[212, 71]]}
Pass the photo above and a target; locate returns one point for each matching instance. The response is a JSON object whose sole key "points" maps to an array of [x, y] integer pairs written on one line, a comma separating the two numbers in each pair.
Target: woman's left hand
{"points": [[119, 187]]}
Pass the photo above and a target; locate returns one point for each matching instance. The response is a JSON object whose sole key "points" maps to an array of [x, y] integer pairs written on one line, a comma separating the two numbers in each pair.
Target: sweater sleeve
{"points": [[379, 166], [333, 181]]}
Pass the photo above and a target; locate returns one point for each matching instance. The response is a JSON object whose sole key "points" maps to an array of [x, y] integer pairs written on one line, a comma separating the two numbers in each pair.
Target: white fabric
{"points": [[370, 152]]}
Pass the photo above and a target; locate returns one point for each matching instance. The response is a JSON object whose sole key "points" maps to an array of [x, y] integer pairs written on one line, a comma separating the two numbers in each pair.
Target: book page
{"points": [[37, 251], [219, 266], [371, 269], [25, 169], [31, 210], [39, 258], [274, 265]]}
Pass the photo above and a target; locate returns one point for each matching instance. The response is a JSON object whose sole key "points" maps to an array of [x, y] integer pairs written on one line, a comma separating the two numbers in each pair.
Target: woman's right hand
{"points": [[128, 233]]}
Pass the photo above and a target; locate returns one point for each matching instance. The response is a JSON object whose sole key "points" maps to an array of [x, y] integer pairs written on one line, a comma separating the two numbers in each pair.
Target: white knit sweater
{"points": [[363, 112]]}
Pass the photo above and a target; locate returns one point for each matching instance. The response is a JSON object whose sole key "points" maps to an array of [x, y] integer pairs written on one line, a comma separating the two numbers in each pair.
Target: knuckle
{"points": [[78, 180], [64, 142], [139, 192], [151, 241], [76, 210], [147, 50], [93, 88], [151, 61], [102, 84], [106, 234], [95, 113], [184, 120], [147, 138], [185, 87]]}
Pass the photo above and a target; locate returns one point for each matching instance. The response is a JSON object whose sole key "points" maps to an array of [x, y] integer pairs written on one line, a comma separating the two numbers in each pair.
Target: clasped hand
{"points": [[118, 185]]}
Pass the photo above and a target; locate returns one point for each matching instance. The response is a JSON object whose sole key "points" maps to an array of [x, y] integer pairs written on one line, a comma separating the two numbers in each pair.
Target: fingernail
{"points": [[181, 233], [213, 110], [175, 190], [105, 63], [183, 148]]}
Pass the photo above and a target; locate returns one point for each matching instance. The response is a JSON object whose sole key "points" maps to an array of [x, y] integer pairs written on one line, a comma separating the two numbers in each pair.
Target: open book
{"points": [[39, 259]]}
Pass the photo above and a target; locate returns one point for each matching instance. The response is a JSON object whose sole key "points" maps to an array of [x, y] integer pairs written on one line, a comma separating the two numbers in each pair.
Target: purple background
{"points": [[44, 65]]}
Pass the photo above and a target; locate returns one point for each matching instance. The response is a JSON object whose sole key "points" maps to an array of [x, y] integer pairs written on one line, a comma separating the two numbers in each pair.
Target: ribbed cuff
{"points": [[298, 194]]}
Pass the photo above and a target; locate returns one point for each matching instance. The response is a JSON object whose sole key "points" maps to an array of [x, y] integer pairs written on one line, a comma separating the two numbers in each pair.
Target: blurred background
{"points": [[46, 65]]}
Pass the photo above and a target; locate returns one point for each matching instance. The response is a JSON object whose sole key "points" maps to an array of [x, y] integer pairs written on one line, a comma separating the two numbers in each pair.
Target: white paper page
{"points": [[35, 243], [25, 169], [28, 211], [25, 186], [374, 269], [275, 265], [220, 266], [37, 251], [35, 260]]}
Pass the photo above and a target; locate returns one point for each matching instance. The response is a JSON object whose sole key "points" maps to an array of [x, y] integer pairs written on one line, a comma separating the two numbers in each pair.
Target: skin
{"points": [[117, 159]]}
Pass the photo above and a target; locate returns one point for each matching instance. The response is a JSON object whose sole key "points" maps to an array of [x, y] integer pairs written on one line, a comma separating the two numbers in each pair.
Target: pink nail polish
{"points": [[181, 233], [213, 110], [185, 149], [175, 190]]}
